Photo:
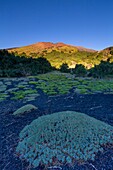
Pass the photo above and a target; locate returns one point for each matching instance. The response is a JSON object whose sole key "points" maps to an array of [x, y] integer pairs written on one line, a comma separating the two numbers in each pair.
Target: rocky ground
{"points": [[99, 106]]}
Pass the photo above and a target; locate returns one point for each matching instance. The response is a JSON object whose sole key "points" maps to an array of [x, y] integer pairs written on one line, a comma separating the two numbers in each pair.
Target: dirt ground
{"points": [[99, 106]]}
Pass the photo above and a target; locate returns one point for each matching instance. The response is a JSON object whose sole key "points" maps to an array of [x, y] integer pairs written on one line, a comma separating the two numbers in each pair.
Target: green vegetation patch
{"points": [[25, 109], [8, 83], [55, 83], [2, 99], [21, 94], [1, 83], [3, 88], [3, 96], [31, 97], [63, 137], [23, 83], [12, 89], [21, 86], [33, 82]]}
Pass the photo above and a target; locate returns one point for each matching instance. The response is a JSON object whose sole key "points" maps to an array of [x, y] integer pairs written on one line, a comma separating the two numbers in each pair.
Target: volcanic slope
{"points": [[59, 53]]}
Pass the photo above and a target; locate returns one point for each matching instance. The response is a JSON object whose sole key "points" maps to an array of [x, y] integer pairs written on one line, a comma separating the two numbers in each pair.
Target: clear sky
{"points": [[87, 23]]}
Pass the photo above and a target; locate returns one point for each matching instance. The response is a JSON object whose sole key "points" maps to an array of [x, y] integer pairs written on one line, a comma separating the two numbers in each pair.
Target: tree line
{"points": [[104, 69], [17, 66], [13, 65]]}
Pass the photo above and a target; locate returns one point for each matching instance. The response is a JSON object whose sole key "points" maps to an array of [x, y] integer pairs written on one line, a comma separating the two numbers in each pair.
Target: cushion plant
{"points": [[63, 137], [25, 109]]}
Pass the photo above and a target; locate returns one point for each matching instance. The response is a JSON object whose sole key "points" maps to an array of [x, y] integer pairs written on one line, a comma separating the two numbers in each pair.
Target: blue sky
{"points": [[87, 23]]}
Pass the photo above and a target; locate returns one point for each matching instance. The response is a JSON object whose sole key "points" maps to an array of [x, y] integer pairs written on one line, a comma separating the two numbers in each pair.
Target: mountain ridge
{"points": [[46, 45]]}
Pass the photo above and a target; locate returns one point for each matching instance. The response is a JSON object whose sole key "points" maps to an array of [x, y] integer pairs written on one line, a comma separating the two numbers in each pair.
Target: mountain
{"points": [[39, 47], [59, 53], [108, 51]]}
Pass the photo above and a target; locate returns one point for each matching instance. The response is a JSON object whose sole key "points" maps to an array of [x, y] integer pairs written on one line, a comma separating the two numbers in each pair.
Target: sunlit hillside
{"points": [[60, 53]]}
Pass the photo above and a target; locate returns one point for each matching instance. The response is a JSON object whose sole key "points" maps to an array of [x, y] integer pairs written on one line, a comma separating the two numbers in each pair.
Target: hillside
{"points": [[59, 53]]}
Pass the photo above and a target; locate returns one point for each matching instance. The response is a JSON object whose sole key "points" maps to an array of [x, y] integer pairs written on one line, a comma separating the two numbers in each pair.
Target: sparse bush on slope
{"points": [[63, 137]]}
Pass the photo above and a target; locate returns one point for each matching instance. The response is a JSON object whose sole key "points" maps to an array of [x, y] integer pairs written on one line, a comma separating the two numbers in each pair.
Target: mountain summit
{"points": [[48, 45]]}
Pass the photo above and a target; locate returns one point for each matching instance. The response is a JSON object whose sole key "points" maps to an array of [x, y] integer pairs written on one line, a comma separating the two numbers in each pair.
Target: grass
{"points": [[53, 84]]}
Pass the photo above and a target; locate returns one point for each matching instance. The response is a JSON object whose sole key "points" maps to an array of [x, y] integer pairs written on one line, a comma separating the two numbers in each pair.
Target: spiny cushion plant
{"points": [[63, 137], [3, 88], [24, 109]]}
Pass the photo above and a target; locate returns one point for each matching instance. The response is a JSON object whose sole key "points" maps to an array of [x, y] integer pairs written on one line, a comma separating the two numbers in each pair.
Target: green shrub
{"points": [[2, 88], [21, 86], [11, 90], [21, 94], [25, 109], [2, 99], [3, 96], [83, 91], [33, 82], [63, 137], [8, 83]]}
